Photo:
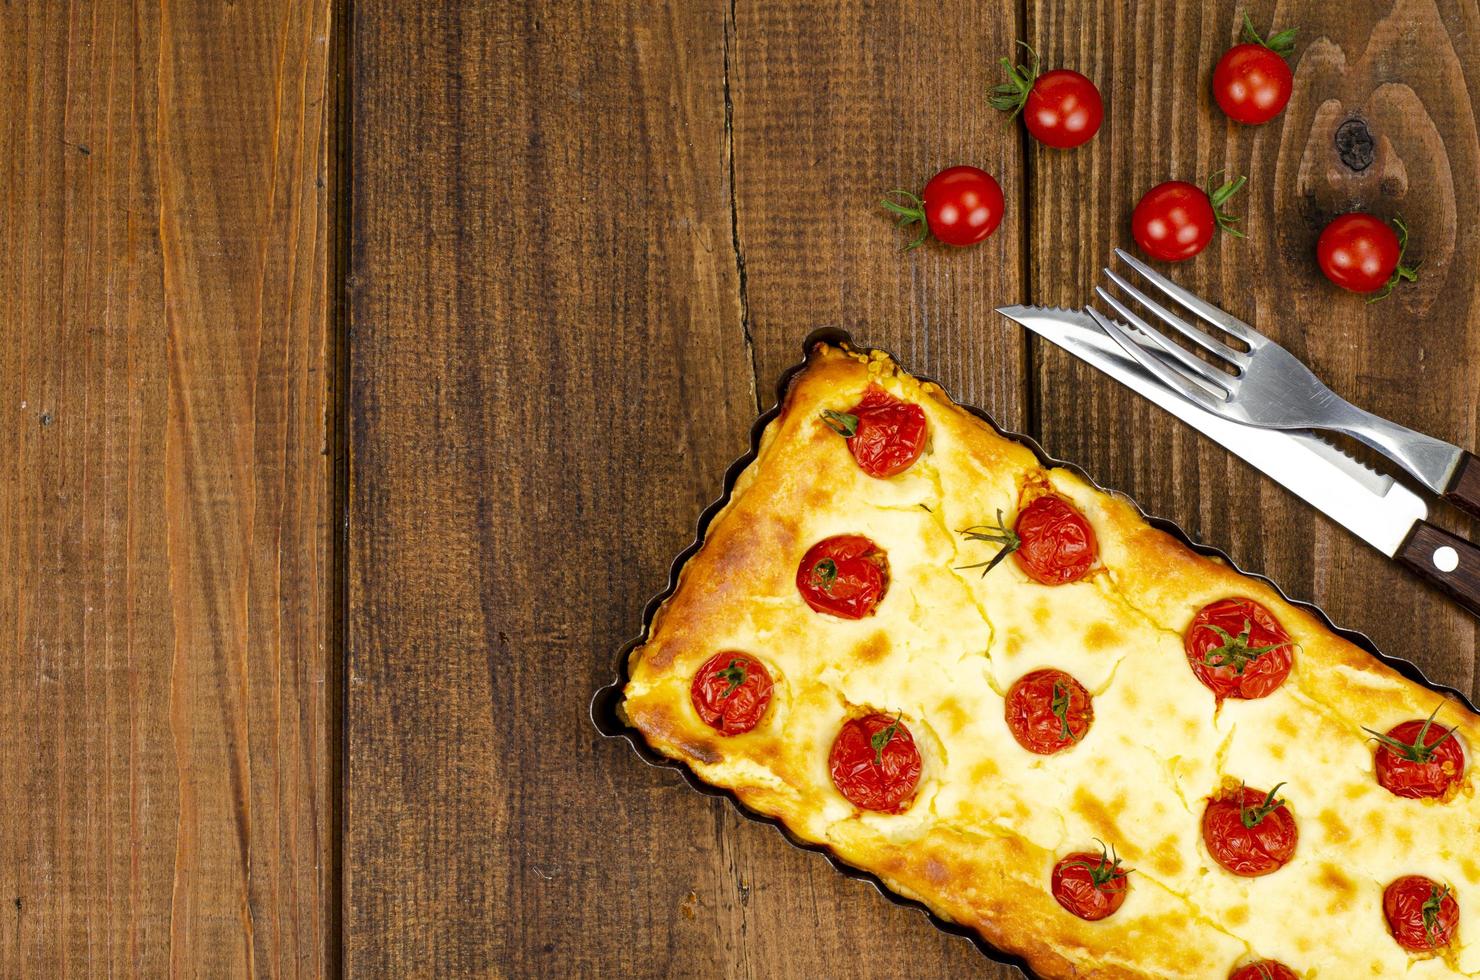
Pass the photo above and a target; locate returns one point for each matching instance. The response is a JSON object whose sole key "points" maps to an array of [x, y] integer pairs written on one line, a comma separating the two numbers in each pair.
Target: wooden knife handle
{"points": [[1464, 489], [1448, 561]]}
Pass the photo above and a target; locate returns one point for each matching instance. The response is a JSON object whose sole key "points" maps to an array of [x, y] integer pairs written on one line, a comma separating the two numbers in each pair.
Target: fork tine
{"points": [[1172, 379], [1196, 304], [1202, 338], [1190, 364]]}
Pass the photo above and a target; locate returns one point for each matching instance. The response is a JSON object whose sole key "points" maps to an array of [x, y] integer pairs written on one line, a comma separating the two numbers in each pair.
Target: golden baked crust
{"points": [[990, 819]]}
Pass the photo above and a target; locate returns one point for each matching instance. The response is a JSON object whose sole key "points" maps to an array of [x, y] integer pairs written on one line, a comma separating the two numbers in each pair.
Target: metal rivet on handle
{"points": [[1446, 559]]}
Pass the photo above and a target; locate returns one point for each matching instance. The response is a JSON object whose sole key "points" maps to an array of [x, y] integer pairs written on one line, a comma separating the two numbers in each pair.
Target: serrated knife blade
{"points": [[1374, 507]]}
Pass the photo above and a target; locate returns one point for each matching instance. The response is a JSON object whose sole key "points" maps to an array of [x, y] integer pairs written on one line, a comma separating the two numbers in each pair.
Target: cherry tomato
{"points": [[731, 692], [1238, 649], [1048, 710], [1249, 832], [1263, 970], [1061, 108], [1363, 254], [884, 434], [962, 206], [1252, 82], [1176, 220], [845, 576], [875, 764], [1419, 760], [1090, 885], [1056, 545], [1421, 913], [1173, 221]]}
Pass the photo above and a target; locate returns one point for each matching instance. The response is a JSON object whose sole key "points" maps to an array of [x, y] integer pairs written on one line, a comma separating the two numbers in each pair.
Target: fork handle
{"points": [[1464, 489], [1446, 560]]}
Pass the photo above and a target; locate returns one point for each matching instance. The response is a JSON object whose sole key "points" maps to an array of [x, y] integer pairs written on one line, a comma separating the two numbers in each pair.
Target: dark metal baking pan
{"points": [[606, 705]]}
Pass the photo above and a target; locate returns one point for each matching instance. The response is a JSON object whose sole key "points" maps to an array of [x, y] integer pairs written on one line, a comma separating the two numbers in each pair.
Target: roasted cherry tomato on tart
{"points": [[1055, 544], [731, 692], [1048, 710], [845, 576], [1419, 760], [1090, 885], [1249, 832], [1421, 913], [1252, 82], [1175, 220], [1263, 970], [960, 206], [1061, 108], [1238, 649], [875, 764], [885, 435]]}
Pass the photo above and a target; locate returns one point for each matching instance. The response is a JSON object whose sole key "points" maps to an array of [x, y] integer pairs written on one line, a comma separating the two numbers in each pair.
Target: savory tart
{"points": [[1001, 691]]}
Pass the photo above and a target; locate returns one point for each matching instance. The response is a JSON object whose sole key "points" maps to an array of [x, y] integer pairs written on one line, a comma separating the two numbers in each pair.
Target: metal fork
{"points": [[1266, 385]]}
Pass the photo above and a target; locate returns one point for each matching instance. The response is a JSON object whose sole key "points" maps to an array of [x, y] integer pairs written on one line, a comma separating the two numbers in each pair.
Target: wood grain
{"points": [[832, 108], [166, 763], [548, 377], [1411, 358]]}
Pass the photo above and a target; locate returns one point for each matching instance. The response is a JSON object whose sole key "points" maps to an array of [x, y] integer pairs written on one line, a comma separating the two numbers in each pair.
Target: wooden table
{"points": [[364, 364]]}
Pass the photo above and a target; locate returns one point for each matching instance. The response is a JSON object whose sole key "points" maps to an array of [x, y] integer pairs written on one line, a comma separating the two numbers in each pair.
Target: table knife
{"points": [[1371, 505]]}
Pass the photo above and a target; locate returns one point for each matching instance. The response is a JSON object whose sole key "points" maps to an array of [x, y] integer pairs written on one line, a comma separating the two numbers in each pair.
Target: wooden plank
{"points": [[166, 769], [833, 105], [1411, 357], [549, 377]]}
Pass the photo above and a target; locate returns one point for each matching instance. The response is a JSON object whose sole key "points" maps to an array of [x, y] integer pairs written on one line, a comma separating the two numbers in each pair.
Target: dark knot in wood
{"points": [[1354, 144]]}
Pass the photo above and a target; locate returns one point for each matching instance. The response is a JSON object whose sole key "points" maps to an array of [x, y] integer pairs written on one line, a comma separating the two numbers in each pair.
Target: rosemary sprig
{"points": [[996, 534]]}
